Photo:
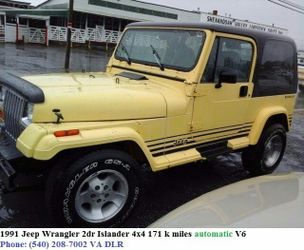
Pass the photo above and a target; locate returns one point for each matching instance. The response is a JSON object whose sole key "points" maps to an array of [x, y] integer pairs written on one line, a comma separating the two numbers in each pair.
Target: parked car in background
{"points": [[301, 70], [301, 78], [265, 201], [301, 58]]}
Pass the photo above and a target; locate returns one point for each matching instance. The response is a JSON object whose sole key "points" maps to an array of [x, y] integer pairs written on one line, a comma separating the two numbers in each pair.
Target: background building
{"points": [[8, 19], [95, 21]]}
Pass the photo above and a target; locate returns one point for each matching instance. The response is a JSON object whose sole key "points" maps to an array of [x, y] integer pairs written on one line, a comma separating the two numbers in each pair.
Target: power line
{"points": [[286, 7], [292, 4]]}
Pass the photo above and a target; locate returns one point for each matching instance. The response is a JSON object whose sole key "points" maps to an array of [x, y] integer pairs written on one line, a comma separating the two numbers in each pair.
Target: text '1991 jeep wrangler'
{"points": [[172, 94]]}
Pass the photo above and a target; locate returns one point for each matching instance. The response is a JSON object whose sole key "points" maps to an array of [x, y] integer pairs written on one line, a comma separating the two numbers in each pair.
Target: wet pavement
{"points": [[300, 101], [168, 189], [36, 59]]}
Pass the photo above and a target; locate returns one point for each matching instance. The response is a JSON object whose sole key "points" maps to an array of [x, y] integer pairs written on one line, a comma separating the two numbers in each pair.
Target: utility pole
{"points": [[69, 35]]}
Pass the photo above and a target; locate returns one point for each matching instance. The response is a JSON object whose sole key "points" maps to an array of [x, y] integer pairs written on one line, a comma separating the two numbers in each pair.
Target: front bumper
{"points": [[7, 173], [8, 152]]}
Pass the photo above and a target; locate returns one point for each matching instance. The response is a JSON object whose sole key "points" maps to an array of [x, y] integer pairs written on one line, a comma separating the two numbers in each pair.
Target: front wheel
{"points": [[265, 156], [97, 190]]}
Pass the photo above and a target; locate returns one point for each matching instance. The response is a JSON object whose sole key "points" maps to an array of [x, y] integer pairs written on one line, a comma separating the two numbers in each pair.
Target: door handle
{"points": [[243, 91]]}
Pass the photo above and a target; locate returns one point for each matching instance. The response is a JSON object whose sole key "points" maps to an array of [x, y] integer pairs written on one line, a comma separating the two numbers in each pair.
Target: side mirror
{"points": [[226, 77]]}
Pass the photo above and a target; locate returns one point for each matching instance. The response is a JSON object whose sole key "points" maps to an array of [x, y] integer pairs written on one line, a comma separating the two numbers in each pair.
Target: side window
{"points": [[276, 73], [230, 56]]}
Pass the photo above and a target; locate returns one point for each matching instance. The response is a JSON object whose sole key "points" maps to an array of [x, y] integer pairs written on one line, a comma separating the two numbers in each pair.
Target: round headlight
{"points": [[29, 111], [28, 115], [2, 93]]}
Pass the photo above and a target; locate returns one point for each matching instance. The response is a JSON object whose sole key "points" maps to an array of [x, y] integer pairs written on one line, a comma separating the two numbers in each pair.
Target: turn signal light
{"points": [[63, 133]]}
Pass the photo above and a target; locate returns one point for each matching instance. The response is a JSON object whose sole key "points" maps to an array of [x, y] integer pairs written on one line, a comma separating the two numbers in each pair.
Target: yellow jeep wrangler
{"points": [[172, 94]]}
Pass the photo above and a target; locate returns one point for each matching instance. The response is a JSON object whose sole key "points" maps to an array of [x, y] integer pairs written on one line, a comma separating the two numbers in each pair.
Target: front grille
{"points": [[13, 108]]}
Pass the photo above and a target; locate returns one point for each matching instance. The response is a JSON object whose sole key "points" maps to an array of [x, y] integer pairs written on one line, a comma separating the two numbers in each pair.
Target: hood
{"points": [[266, 201], [97, 97]]}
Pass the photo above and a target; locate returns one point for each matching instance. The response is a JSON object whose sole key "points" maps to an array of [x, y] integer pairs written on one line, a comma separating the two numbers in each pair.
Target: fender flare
{"points": [[261, 120], [47, 145]]}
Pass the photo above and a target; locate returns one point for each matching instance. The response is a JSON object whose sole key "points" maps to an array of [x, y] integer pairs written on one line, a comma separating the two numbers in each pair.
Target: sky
{"points": [[260, 11]]}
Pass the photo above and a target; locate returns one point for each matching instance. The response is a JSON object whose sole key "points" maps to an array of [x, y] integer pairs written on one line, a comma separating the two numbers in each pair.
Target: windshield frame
{"points": [[154, 63]]}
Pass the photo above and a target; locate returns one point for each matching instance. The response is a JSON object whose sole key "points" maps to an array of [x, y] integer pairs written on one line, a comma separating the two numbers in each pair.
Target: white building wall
{"points": [[10, 33], [83, 6], [23, 33]]}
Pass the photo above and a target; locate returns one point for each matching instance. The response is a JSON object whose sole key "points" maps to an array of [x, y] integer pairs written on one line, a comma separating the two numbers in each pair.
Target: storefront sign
{"points": [[227, 21]]}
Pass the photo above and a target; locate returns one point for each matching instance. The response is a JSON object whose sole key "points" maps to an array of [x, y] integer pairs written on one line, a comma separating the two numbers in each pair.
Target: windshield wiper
{"points": [[124, 49], [157, 58]]}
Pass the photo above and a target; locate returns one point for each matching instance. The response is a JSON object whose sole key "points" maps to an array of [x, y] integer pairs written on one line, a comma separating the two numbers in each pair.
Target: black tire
{"points": [[97, 190], [301, 88], [265, 156]]}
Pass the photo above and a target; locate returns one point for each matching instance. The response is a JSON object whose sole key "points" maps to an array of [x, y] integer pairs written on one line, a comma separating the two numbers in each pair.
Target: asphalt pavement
{"points": [[38, 59], [168, 189]]}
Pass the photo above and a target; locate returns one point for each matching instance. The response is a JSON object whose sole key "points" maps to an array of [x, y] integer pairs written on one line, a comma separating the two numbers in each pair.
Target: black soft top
{"points": [[258, 36], [268, 78]]}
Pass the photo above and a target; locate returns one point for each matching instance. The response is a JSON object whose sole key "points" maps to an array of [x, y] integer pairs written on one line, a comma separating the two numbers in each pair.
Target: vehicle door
{"points": [[224, 90]]}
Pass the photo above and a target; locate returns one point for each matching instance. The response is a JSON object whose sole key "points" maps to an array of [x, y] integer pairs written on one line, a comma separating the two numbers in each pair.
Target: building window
{"points": [[79, 20], [94, 20], [34, 23], [112, 23], [14, 5], [11, 19], [22, 21], [1, 20], [133, 9], [58, 21]]}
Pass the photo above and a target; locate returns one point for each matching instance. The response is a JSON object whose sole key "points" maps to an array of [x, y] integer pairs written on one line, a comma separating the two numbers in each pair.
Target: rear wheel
{"points": [[97, 190], [265, 156], [301, 88]]}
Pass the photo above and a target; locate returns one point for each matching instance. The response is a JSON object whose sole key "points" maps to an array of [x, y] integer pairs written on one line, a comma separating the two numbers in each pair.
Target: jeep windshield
{"points": [[163, 48]]}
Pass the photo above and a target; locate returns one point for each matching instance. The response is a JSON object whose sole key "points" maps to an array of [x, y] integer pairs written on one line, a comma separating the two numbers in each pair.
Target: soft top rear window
{"points": [[276, 72]]}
